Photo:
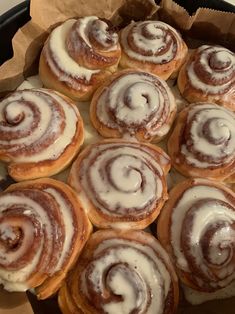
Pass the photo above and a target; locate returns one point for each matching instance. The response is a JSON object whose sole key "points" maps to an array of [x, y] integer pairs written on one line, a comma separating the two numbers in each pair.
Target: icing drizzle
{"points": [[151, 41], [209, 136], [128, 276], [32, 121], [212, 70], [136, 101], [122, 180], [202, 235], [37, 230]]}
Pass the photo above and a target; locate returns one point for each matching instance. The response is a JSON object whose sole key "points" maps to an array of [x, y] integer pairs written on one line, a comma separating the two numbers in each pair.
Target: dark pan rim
{"points": [[12, 14]]}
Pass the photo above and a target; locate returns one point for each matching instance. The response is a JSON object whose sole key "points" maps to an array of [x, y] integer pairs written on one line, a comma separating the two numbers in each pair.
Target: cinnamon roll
{"points": [[203, 142], [121, 184], [121, 272], [41, 131], [154, 47], [78, 55], [197, 228], [43, 228], [135, 103], [209, 75]]}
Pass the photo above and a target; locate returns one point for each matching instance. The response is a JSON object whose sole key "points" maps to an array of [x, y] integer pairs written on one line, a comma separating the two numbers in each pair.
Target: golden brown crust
{"points": [[97, 297], [165, 71], [182, 138], [100, 49], [20, 169], [189, 87], [65, 301], [48, 280], [192, 277], [162, 69], [83, 91], [88, 63], [160, 107], [105, 215]]}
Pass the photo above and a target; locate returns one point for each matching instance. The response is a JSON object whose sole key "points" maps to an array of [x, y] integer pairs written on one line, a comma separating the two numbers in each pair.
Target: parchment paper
{"points": [[204, 24], [28, 41], [14, 303], [27, 44]]}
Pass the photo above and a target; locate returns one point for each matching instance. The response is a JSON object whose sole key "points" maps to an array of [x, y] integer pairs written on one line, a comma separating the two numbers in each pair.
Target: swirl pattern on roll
{"points": [[210, 134], [200, 221], [38, 125], [204, 139], [122, 182], [123, 272], [39, 233], [78, 55], [136, 103], [89, 38], [60, 62], [209, 75], [32, 120], [212, 70], [152, 41], [153, 46]]}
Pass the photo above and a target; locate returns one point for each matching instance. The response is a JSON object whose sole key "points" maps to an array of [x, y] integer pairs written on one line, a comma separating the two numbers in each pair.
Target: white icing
{"points": [[90, 134], [222, 55], [100, 33], [212, 213], [84, 26], [68, 223], [137, 101], [117, 282], [210, 216], [63, 60], [13, 110], [131, 184], [144, 271], [156, 45], [14, 287], [16, 280], [28, 211], [226, 234], [6, 232], [221, 129], [49, 122], [12, 278], [195, 193], [198, 84]]}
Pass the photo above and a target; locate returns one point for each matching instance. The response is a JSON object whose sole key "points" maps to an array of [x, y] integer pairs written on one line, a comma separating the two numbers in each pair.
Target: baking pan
{"points": [[17, 17], [9, 24]]}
